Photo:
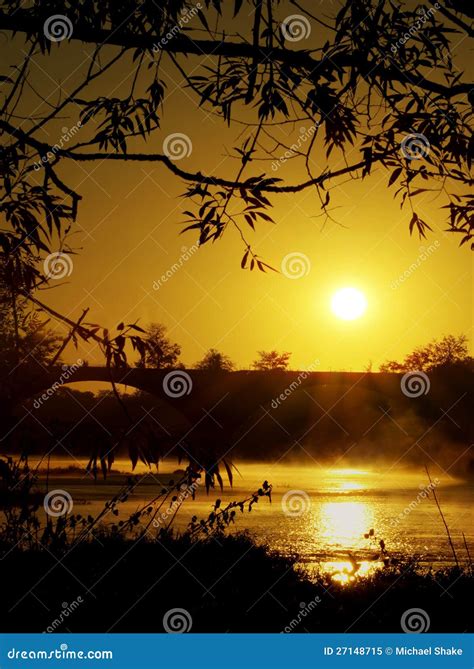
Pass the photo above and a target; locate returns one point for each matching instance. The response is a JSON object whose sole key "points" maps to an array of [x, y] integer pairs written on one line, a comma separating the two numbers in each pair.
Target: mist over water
{"points": [[323, 514]]}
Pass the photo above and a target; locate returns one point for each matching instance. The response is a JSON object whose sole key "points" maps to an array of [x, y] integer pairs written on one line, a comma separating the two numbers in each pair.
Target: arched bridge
{"points": [[251, 409], [226, 398]]}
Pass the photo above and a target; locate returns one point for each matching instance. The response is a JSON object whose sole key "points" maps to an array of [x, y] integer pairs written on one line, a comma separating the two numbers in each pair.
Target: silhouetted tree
{"points": [[362, 85], [448, 351], [160, 352], [271, 360], [24, 335], [216, 361]]}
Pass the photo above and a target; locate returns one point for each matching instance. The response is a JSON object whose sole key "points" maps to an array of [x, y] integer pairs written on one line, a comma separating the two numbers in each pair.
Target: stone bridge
{"points": [[227, 399]]}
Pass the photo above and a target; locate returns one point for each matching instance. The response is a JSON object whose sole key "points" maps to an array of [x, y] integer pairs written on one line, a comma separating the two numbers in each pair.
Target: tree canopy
{"points": [[377, 85], [215, 361], [271, 360], [159, 352], [25, 337], [449, 351]]}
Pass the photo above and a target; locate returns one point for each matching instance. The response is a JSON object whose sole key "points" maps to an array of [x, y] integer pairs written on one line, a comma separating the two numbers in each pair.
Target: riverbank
{"points": [[322, 513], [219, 584]]}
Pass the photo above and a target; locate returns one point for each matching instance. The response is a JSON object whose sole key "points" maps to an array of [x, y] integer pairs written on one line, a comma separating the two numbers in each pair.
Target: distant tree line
{"points": [[162, 353], [450, 351]]}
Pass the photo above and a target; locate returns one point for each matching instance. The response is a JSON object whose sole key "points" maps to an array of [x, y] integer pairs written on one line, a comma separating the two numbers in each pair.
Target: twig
{"points": [[443, 519], [467, 551]]}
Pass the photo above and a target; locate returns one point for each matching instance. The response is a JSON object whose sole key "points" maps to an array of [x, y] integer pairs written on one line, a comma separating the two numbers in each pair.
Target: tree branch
{"points": [[25, 22]]}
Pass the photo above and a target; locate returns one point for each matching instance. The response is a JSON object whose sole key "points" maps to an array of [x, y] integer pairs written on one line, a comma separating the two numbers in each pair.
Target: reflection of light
{"points": [[347, 480], [345, 522], [347, 472], [346, 572], [349, 485]]}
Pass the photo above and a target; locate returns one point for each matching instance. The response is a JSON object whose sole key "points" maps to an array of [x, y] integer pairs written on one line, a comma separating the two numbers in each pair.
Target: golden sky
{"points": [[127, 237]]}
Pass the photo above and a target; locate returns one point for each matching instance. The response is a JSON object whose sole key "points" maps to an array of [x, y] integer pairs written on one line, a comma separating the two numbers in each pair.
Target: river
{"points": [[322, 514]]}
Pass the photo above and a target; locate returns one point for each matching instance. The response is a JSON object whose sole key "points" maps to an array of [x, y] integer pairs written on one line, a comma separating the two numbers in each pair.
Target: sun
{"points": [[348, 304]]}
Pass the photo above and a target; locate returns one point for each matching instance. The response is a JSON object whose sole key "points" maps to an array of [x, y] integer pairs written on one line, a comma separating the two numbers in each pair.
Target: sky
{"points": [[128, 237]]}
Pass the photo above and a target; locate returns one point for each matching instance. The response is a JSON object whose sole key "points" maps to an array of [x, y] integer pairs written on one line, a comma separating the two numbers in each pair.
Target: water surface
{"points": [[322, 514]]}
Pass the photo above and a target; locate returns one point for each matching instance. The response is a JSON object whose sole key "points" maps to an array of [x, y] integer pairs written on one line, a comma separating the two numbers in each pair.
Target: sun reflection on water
{"points": [[345, 572], [345, 522], [343, 525]]}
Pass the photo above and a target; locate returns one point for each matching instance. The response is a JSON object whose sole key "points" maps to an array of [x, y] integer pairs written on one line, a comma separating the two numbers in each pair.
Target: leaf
{"points": [[394, 176], [229, 472], [237, 7], [203, 19]]}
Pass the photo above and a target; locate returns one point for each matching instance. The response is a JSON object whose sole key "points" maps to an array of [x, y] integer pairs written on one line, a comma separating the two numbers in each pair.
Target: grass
{"points": [[126, 575], [227, 584]]}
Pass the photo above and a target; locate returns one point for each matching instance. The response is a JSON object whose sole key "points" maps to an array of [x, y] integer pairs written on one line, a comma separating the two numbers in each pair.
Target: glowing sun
{"points": [[348, 304]]}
